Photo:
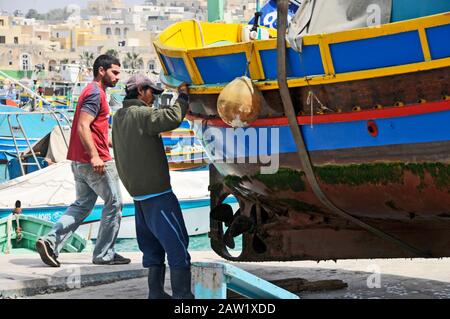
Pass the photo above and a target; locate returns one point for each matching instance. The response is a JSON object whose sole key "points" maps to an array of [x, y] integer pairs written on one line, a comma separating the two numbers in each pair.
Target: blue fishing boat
{"points": [[20, 129], [349, 152]]}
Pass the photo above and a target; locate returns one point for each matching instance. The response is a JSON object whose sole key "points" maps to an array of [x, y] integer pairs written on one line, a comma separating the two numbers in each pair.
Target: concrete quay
{"points": [[25, 276]]}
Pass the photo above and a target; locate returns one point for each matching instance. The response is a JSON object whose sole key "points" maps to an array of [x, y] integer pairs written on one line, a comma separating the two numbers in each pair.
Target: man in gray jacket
{"points": [[142, 166]]}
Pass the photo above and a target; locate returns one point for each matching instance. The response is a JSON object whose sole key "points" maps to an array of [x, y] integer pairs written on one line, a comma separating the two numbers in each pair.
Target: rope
{"points": [[9, 235], [201, 31], [247, 67], [311, 94], [310, 101]]}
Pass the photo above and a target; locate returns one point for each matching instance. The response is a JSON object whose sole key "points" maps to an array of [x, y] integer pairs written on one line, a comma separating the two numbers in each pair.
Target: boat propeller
{"points": [[241, 224], [236, 224], [223, 213]]}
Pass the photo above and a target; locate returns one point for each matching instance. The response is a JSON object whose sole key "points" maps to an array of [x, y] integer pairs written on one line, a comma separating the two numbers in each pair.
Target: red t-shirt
{"points": [[93, 101]]}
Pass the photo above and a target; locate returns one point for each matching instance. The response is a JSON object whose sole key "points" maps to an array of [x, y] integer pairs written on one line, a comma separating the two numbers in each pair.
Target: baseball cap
{"points": [[139, 80]]}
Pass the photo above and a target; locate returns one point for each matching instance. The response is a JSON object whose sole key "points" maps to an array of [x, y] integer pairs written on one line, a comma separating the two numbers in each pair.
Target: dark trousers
{"points": [[160, 229]]}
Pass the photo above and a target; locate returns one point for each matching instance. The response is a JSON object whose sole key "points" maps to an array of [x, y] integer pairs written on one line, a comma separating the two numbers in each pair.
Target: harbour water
{"points": [[196, 243]]}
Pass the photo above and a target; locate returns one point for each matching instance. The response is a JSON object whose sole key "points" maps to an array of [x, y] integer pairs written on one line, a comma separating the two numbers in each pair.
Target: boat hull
{"points": [[397, 180], [32, 229], [373, 107]]}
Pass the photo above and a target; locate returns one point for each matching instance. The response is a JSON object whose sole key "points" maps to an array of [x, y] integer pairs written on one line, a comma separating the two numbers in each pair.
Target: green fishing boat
{"points": [[19, 232]]}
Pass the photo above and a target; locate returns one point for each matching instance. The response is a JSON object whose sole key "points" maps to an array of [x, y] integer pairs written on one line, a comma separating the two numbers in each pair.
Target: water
{"points": [[196, 243]]}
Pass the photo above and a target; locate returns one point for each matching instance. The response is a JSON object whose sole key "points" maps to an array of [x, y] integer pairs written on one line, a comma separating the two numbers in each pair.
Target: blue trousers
{"points": [[160, 230], [89, 185]]}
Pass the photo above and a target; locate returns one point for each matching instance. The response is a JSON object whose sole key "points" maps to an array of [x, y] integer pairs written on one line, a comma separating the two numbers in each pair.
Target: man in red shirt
{"points": [[94, 171]]}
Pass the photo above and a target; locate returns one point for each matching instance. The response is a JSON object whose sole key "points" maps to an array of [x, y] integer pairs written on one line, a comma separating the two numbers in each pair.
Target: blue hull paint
{"points": [[298, 65], [222, 68], [7, 146], [367, 54], [172, 141], [439, 48], [177, 68], [423, 128]]}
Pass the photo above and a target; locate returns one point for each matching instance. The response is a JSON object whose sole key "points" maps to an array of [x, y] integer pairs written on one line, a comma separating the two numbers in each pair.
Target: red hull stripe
{"points": [[342, 117]]}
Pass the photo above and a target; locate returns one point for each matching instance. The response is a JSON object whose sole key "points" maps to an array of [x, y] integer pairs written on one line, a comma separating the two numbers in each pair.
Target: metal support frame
{"points": [[211, 281]]}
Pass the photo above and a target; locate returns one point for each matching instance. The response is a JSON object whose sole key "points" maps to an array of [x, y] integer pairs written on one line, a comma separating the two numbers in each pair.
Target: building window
{"points": [[25, 62], [125, 32], [2, 22], [39, 37], [117, 31], [151, 65], [108, 31], [57, 34], [10, 62], [2, 39], [52, 65], [16, 40]]}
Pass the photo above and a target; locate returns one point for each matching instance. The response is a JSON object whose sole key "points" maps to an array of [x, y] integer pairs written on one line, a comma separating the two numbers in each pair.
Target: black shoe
{"points": [[118, 260], [47, 254]]}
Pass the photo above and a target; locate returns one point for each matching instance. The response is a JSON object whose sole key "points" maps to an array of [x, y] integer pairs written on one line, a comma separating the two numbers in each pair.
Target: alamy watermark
{"points": [[66, 279], [374, 15], [74, 277], [374, 280], [250, 145]]}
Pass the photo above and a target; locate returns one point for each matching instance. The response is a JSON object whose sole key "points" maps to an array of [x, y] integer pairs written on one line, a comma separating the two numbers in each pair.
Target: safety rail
{"points": [[57, 115]]}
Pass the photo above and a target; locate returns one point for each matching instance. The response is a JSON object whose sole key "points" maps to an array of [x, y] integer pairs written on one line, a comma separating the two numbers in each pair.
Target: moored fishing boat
{"points": [[20, 232], [372, 106]]}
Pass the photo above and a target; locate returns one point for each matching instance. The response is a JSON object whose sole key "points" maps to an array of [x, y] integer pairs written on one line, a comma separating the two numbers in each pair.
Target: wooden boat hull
{"points": [[399, 181], [395, 177], [373, 106]]}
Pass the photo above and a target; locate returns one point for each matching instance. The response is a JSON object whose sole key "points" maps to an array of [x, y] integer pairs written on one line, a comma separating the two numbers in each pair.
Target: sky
{"points": [[43, 6]]}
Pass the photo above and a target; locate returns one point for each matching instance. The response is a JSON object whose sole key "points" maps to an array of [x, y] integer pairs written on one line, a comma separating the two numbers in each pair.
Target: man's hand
{"points": [[183, 88], [98, 165]]}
